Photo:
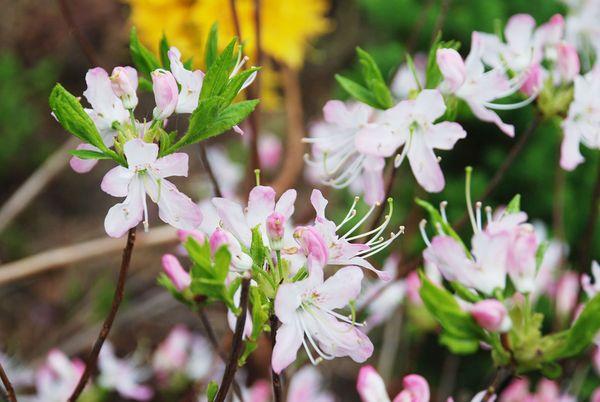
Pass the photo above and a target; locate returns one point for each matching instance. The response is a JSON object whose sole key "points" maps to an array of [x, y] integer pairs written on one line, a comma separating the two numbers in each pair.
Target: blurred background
{"points": [[305, 43]]}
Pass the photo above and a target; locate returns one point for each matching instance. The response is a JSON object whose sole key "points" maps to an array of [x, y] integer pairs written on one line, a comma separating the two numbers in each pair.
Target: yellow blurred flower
{"points": [[287, 28]]}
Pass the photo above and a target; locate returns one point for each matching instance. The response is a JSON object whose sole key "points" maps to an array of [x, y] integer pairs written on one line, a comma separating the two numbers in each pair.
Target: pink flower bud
{"points": [[534, 79], [413, 285], [179, 277], [567, 293], [568, 61], [491, 315], [165, 93], [275, 230], [269, 151], [217, 239], [452, 68], [416, 387], [370, 385], [124, 82], [312, 243], [184, 235]]}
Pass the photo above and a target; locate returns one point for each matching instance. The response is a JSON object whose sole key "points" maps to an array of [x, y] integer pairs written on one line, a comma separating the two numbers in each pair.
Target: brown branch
{"points": [[212, 338], [84, 44], [117, 298], [501, 379], [10, 391], [236, 347], [293, 161], [209, 171], [587, 237], [276, 378]]}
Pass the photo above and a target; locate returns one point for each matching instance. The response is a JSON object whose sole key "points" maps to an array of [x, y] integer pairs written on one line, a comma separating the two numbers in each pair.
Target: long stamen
{"points": [[351, 214], [478, 214], [349, 175], [393, 236], [400, 158], [311, 340], [468, 171], [488, 214], [145, 204], [440, 230], [386, 221], [344, 318], [510, 106], [443, 206], [423, 232], [361, 221]]}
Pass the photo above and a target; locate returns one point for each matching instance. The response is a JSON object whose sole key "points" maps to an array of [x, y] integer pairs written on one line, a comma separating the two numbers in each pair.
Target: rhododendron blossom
{"points": [[57, 377], [146, 175], [123, 375]]}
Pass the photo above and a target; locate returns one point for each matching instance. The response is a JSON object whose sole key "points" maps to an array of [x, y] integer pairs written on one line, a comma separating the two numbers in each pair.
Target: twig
{"points": [[10, 391], [209, 170], [276, 378], [236, 347], [64, 256], [502, 377], [86, 46], [35, 184], [510, 158], [587, 237], [293, 161], [117, 298], [212, 338]]}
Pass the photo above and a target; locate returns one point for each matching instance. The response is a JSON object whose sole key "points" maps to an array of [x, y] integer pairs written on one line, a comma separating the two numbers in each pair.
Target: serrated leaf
{"points": [[235, 84], [88, 154], [143, 59], [374, 80], [163, 47], [217, 76], [211, 52]]}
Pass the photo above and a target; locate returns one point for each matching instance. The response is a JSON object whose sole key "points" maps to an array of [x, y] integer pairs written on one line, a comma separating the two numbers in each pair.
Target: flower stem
{"points": [[10, 391], [276, 378], [236, 347], [108, 322]]}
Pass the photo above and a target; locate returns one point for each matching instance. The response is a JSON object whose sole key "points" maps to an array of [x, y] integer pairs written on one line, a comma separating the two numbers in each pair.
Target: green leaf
{"points": [[436, 218], [145, 84], [464, 293], [357, 91], [235, 85], [514, 205], [211, 51], [163, 47], [443, 306], [374, 80], [87, 154], [217, 76], [222, 261], [70, 114], [257, 248], [459, 346], [433, 75], [211, 390], [144, 59]]}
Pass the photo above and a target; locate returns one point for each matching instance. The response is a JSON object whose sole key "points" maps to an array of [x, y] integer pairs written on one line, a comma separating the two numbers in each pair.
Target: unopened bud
{"points": [[275, 230], [124, 82], [491, 315], [165, 93], [178, 276]]}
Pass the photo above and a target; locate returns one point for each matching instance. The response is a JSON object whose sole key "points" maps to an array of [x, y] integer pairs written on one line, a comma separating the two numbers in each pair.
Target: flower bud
{"points": [[370, 385], [217, 239], [312, 244], [275, 230], [567, 294], [491, 315], [165, 93], [568, 61], [184, 235], [452, 68], [240, 261], [413, 285], [124, 82], [534, 79], [416, 387], [269, 151], [178, 276]]}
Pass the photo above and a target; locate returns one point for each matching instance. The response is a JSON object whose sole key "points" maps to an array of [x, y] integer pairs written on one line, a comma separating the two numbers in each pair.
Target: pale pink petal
{"points": [[140, 153], [261, 203], [340, 288], [288, 341], [107, 107], [127, 214], [370, 385], [425, 165], [430, 104], [570, 156], [372, 180], [335, 112], [417, 386], [288, 300], [176, 208], [172, 165], [83, 165], [116, 181], [319, 203], [233, 219], [137, 393], [490, 116], [378, 140], [449, 257], [519, 30], [452, 68], [444, 135], [285, 204]]}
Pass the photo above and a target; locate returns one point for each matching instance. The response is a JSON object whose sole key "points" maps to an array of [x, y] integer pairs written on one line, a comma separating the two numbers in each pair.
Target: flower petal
{"points": [[176, 208], [444, 135], [261, 203], [372, 180], [490, 116], [285, 204], [378, 140], [424, 165], [116, 181], [343, 286], [172, 165], [233, 219], [288, 341], [570, 156], [370, 385], [140, 153], [83, 165], [319, 203], [127, 214], [430, 104], [452, 68]]}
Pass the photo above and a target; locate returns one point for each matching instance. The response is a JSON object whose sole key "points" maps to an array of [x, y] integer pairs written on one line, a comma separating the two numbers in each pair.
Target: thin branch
{"points": [[209, 171], [63, 257], [587, 237], [293, 161], [35, 183], [117, 298], [276, 378], [501, 379], [84, 44], [236, 347], [10, 391]]}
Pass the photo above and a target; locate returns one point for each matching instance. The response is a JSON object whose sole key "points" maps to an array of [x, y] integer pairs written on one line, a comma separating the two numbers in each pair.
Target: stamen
{"points": [[351, 214], [386, 221], [468, 171], [443, 206], [361, 221], [145, 204], [400, 158], [375, 250], [423, 232], [478, 214], [511, 106], [488, 213], [440, 230]]}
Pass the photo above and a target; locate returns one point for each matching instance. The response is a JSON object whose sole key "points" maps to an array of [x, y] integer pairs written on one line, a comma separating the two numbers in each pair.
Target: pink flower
{"points": [[83, 165], [183, 235], [567, 294], [146, 174], [124, 376], [312, 243], [178, 276], [276, 230], [306, 385], [270, 151], [57, 378], [165, 94], [469, 81], [591, 289], [371, 387], [411, 123], [124, 81], [190, 82], [404, 82], [306, 312], [534, 79], [491, 315], [516, 391], [240, 260], [582, 124], [567, 62]]}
